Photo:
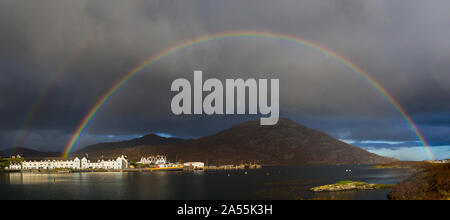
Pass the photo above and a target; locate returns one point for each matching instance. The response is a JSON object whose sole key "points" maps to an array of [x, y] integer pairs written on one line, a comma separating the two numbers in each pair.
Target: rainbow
{"points": [[39, 100], [238, 34]]}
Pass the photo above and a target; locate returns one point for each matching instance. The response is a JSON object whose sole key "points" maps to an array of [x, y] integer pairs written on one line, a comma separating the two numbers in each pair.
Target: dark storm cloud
{"points": [[89, 45]]}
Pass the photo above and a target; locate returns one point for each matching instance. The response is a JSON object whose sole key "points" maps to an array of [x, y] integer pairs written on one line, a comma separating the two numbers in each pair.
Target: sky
{"points": [[68, 53]]}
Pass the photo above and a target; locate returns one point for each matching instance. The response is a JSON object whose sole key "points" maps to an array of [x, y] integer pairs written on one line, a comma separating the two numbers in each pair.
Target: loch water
{"points": [[271, 182]]}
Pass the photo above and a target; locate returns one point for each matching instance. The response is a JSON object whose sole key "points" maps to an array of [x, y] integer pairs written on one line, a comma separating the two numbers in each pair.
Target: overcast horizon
{"points": [[59, 57]]}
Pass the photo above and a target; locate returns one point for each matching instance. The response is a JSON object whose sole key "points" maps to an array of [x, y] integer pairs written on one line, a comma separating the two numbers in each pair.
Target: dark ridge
{"points": [[27, 152], [286, 143], [148, 140]]}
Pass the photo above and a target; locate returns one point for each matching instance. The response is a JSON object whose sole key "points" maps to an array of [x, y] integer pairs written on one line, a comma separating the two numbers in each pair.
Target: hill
{"points": [[148, 140], [28, 153], [286, 143]]}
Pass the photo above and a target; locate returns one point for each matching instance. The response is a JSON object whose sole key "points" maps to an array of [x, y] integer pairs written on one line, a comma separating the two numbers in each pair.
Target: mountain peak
{"points": [[152, 136], [285, 143]]}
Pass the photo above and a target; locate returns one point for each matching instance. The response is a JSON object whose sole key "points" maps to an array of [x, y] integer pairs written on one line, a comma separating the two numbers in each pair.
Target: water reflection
{"points": [[36, 178], [282, 183]]}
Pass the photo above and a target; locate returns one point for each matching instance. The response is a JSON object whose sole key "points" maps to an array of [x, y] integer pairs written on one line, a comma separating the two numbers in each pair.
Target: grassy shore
{"points": [[402, 165], [348, 185], [431, 182]]}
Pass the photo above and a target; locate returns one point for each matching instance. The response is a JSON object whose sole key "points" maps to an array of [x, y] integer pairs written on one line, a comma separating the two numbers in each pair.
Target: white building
{"points": [[118, 164], [195, 165], [76, 164], [438, 161], [157, 160], [15, 166], [51, 164]]}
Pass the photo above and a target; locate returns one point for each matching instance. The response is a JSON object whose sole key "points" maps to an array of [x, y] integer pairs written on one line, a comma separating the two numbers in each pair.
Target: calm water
{"points": [[265, 183]]}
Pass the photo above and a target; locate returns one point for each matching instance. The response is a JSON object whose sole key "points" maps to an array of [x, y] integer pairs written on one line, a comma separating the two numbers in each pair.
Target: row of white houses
{"points": [[76, 164], [157, 160], [438, 161]]}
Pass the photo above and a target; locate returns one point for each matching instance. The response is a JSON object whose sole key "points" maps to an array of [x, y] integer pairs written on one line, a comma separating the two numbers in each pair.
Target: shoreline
{"points": [[427, 183], [139, 170], [206, 168]]}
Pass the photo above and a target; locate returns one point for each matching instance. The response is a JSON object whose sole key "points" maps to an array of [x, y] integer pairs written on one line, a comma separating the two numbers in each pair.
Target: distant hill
{"points": [[148, 140], [28, 153], [283, 144]]}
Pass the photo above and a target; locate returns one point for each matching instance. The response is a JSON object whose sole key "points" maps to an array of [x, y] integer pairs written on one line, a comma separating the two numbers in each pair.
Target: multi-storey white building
{"points": [[51, 164], [118, 164], [76, 164], [157, 160], [15, 166]]}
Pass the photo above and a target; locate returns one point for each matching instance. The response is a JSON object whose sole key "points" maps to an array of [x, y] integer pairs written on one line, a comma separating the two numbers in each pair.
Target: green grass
{"points": [[346, 182], [384, 186], [4, 163], [358, 183], [393, 167]]}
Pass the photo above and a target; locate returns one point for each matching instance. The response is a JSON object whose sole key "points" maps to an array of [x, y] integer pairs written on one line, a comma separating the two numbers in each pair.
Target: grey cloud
{"points": [[89, 45]]}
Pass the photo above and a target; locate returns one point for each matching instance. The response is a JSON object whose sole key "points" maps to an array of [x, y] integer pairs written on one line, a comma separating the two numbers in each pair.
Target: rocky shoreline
{"points": [[431, 182]]}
